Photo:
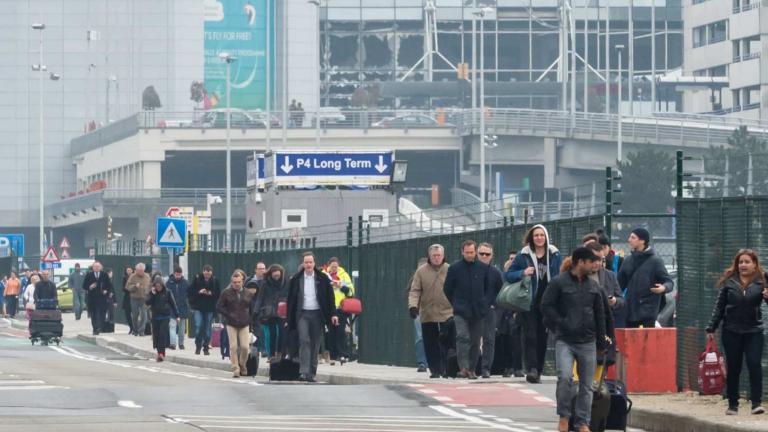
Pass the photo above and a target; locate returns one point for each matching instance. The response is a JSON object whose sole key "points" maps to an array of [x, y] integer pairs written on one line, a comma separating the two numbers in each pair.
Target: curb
{"points": [[662, 421]]}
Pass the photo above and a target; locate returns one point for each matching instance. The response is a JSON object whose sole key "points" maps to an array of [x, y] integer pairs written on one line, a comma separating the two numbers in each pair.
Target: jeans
{"points": [[585, 356], [239, 336], [535, 339], [78, 302], [138, 315], [203, 321], [177, 331], [489, 339], [271, 337], [310, 328], [468, 335], [12, 305], [737, 347], [435, 348], [98, 313], [421, 356]]}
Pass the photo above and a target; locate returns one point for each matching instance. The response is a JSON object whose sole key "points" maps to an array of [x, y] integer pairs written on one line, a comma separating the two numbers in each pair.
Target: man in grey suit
{"points": [[310, 308]]}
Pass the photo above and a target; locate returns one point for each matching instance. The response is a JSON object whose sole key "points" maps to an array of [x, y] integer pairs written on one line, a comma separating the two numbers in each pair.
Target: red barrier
{"points": [[647, 360]]}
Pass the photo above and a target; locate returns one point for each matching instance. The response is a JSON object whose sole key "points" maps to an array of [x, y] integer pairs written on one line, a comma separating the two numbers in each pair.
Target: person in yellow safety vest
{"points": [[342, 288]]}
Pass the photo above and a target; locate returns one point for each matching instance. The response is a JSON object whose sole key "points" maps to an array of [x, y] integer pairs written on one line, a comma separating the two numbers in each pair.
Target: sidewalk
{"points": [[680, 412]]}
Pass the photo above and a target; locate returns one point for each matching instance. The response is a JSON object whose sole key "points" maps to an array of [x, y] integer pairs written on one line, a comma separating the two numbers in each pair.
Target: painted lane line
{"points": [[290, 416], [472, 411], [128, 404], [416, 385], [428, 391], [504, 420], [36, 387], [515, 385], [529, 391], [544, 399], [443, 398], [21, 382], [449, 412], [455, 405], [436, 421], [322, 429], [489, 416]]}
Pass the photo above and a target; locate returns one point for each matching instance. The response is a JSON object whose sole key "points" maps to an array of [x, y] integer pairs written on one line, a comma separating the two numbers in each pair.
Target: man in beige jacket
{"points": [[138, 285], [427, 300]]}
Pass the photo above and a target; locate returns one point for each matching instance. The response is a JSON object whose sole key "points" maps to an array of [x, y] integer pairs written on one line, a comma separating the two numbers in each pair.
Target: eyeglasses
{"points": [[484, 253]]}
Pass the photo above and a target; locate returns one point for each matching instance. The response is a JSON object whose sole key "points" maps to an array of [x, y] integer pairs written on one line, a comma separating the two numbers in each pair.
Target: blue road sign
{"points": [[11, 242], [50, 265], [171, 232], [336, 168]]}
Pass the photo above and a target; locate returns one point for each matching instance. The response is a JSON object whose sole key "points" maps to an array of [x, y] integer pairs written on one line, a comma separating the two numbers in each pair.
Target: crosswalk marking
{"points": [[21, 384]]}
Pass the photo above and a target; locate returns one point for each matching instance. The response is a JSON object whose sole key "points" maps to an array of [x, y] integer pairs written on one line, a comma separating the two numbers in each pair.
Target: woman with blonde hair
{"points": [[742, 290]]}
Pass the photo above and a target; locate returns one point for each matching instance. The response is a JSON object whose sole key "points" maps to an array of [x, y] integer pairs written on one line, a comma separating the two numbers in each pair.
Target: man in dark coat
{"points": [[99, 289], [494, 315], [179, 286], [645, 279], [45, 294], [310, 308], [468, 288], [203, 296]]}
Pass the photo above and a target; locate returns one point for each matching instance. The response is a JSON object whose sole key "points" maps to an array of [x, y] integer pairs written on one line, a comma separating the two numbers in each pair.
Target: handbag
{"points": [[711, 370], [352, 306], [516, 296], [282, 309]]}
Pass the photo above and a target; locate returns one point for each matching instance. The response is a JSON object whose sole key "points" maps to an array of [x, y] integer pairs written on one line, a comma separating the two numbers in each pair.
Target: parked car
{"points": [[330, 115], [408, 121], [217, 118], [275, 121]]}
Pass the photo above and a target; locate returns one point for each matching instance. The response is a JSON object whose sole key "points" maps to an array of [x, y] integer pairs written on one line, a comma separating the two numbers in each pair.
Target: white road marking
{"points": [[128, 404], [455, 405], [428, 391], [515, 385], [472, 411], [488, 416], [29, 387], [21, 382], [529, 391], [443, 398], [416, 385], [544, 399], [449, 412]]}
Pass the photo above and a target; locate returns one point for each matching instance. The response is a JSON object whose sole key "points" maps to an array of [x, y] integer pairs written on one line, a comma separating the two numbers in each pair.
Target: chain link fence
{"points": [[709, 233]]}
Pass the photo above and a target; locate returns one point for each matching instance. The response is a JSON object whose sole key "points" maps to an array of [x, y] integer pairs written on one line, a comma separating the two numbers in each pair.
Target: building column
{"points": [[550, 162]]}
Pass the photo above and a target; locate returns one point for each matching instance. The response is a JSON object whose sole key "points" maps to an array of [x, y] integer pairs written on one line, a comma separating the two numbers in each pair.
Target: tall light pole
{"points": [[619, 48], [284, 64], [228, 59], [317, 75], [268, 103], [41, 156], [481, 14]]}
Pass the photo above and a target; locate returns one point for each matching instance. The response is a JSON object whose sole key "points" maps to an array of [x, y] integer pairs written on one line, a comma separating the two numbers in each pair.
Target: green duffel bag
{"points": [[516, 296]]}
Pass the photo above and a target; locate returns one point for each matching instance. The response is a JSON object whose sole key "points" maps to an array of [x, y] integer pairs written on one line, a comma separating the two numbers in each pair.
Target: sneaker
{"points": [[507, 373], [463, 374], [732, 410], [758, 409], [434, 375], [421, 368], [197, 350], [236, 374], [173, 347], [486, 374], [206, 351], [533, 376], [181, 347], [519, 373]]}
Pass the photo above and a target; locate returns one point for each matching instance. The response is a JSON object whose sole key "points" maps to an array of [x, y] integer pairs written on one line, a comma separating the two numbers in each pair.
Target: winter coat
{"points": [[609, 286], [204, 302], [140, 292], [45, 290], [573, 309], [325, 298], [269, 295], [468, 288], [162, 304], [75, 281], [638, 274], [180, 290], [496, 281], [739, 310], [12, 287], [527, 258], [101, 292], [427, 294], [235, 306]]}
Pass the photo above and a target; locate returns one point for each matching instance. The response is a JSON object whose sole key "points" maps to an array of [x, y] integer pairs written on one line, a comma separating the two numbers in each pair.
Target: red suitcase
{"points": [[216, 330]]}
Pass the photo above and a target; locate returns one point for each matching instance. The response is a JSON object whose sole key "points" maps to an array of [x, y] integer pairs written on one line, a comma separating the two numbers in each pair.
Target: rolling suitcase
{"points": [[216, 330], [45, 315], [109, 320], [252, 364], [621, 405], [601, 402], [223, 343], [284, 370]]}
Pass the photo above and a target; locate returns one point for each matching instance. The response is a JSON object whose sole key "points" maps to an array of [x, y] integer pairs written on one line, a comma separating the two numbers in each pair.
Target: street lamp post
{"points": [[481, 14], [318, 4], [228, 59], [619, 48], [41, 156]]}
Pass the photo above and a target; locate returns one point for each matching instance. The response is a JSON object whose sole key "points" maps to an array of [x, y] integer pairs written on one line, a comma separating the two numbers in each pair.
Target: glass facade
{"points": [[365, 41]]}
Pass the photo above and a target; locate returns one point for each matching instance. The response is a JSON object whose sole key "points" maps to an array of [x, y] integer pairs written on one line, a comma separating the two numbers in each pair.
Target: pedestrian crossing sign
{"points": [[50, 255], [171, 232]]}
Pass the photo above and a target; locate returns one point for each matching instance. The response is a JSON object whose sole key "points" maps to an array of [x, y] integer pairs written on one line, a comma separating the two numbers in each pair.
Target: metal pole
{"points": [[608, 58], [609, 200], [726, 176], [750, 173], [618, 107], [563, 66], [572, 33], [317, 77], [41, 155], [653, 55], [631, 57], [474, 57], [482, 118], [228, 233], [268, 75], [586, 57], [285, 74], [106, 109]]}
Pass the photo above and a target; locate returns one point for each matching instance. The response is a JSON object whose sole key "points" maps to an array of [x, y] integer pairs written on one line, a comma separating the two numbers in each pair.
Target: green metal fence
{"points": [[709, 234]]}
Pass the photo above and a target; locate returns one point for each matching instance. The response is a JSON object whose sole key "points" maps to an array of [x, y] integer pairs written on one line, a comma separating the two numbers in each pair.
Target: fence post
{"points": [[359, 230], [608, 201], [679, 182], [349, 241]]}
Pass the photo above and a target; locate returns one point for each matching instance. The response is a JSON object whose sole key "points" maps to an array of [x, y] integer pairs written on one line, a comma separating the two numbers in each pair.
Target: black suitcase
{"points": [[48, 328], [601, 405], [252, 364], [109, 320], [620, 405], [45, 315], [284, 370]]}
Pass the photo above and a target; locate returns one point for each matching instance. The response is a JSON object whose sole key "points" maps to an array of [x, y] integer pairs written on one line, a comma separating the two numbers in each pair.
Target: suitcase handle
{"points": [[629, 408]]}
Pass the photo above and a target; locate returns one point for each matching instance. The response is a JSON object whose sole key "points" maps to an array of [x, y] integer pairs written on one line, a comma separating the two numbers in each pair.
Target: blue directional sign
{"points": [[11, 243], [332, 168], [171, 232]]}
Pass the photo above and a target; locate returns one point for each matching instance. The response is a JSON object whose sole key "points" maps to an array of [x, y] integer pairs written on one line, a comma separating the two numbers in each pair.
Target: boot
{"points": [[562, 425], [197, 349], [583, 428]]}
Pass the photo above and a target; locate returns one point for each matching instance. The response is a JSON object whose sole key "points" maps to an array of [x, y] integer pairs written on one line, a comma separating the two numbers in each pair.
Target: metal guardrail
{"points": [[182, 195]]}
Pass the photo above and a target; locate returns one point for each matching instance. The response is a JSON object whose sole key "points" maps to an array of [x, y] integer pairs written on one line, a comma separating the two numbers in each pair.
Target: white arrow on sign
{"points": [[381, 167], [286, 166]]}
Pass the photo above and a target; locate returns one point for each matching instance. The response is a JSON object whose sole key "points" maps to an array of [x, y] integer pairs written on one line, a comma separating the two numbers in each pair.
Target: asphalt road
{"points": [[82, 387]]}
